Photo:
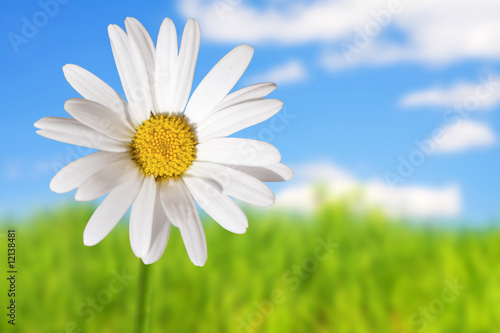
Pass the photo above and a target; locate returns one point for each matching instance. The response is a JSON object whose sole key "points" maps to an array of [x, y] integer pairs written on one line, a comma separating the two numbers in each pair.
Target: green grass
{"points": [[377, 277]]}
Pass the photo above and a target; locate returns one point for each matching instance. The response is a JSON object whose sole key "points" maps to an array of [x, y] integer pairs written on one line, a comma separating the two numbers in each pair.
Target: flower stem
{"points": [[144, 295]]}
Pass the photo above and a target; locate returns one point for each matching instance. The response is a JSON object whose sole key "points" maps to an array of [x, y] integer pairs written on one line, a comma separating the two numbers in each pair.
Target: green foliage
{"points": [[376, 276]]}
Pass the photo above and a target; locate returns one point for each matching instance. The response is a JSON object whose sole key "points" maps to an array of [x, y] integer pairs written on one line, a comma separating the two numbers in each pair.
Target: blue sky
{"points": [[356, 114]]}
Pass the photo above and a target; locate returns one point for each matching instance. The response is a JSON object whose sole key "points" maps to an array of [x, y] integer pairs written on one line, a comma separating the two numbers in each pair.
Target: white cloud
{"points": [[16, 169], [324, 182], [290, 72], [13, 170], [297, 22], [434, 31], [465, 135], [480, 96]]}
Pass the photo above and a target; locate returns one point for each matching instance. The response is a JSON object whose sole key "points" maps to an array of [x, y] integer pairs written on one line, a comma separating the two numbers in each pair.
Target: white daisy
{"points": [[160, 151]]}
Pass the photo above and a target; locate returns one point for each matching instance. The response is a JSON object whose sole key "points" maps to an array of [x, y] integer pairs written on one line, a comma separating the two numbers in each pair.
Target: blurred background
{"points": [[390, 123]]}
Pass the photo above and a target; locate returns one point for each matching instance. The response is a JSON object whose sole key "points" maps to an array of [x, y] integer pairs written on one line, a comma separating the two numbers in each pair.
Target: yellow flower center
{"points": [[164, 146]]}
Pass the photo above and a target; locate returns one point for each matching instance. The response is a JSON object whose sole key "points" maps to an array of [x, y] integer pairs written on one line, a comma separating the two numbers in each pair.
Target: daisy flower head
{"points": [[161, 150]]}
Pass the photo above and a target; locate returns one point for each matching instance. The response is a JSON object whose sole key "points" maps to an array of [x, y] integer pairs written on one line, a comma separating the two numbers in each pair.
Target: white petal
{"points": [[165, 62], [269, 173], [237, 151], [143, 55], [111, 210], [184, 73], [216, 204], [71, 131], [218, 83], [247, 94], [76, 172], [181, 211], [106, 179], [94, 89], [160, 233], [141, 217], [100, 118], [120, 46], [234, 183], [237, 117]]}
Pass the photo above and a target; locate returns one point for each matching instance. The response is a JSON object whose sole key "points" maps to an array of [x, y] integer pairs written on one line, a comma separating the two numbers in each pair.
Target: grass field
{"points": [[331, 272]]}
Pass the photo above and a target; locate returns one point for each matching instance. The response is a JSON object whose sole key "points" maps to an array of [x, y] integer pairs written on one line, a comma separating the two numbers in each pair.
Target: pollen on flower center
{"points": [[164, 146]]}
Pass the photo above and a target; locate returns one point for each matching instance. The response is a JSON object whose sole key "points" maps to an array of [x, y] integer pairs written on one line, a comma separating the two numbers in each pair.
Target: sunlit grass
{"points": [[377, 277]]}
